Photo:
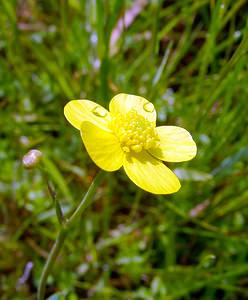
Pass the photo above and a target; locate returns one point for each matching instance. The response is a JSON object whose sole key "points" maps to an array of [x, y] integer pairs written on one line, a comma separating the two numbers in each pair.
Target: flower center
{"points": [[134, 132]]}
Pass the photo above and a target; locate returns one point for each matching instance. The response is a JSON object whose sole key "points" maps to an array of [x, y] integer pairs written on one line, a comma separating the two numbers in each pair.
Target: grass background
{"points": [[188, 57]]}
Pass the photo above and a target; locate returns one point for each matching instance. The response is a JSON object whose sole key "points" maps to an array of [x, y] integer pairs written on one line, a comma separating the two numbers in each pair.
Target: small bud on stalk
{"points": [[31, 159]]}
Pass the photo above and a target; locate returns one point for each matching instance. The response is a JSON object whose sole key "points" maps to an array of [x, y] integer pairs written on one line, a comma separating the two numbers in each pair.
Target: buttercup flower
{"points": [[127, 136]]}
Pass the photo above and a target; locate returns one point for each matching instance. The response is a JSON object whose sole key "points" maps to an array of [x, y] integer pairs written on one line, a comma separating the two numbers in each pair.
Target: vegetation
{"points": [[188, 57]]}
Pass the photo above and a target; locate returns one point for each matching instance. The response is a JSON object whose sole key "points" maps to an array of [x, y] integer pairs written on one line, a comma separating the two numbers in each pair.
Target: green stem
{"points": [[63, 232], [86, 199], [50, 262]]}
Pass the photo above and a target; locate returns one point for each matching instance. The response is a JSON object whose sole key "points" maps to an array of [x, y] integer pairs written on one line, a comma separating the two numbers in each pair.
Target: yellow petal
{"points": [[123, 103], [102, 146], [176, 144], [78, 111], [150, 174]]}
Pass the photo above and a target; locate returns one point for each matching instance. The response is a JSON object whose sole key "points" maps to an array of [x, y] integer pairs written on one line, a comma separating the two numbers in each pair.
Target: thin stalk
{"points": [[86, 199], [63, 233], [50, 262]]}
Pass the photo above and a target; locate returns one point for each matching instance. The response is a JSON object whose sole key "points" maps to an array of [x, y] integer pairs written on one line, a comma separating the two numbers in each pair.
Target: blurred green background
{"points": [[188, 57]]}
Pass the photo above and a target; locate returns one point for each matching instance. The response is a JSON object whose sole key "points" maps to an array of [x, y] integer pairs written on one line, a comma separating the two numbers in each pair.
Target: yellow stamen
{"points": [[134, 132]]}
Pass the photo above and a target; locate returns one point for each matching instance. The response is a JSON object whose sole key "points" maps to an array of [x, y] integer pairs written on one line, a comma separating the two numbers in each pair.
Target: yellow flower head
{"points": [[127, 136]]}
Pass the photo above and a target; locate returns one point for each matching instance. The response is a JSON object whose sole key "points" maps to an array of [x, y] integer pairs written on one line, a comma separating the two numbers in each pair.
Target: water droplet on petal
{"points": [[99, 111], [148, 107]]}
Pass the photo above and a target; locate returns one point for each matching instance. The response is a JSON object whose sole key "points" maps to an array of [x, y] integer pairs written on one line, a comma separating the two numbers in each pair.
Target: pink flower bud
{"points": [[31, 159]]}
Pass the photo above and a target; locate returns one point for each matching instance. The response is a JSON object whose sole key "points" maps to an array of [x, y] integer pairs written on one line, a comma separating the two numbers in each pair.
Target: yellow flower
{"points": [[127, 136]]}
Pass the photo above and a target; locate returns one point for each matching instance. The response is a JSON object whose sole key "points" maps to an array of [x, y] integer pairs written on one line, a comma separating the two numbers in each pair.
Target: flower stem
{"points": [[86, 199], [49, 263], [63, 232]]}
